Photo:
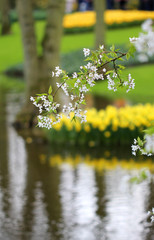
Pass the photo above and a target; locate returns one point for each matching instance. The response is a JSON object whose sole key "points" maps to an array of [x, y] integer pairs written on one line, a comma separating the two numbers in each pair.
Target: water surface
{"points": [[48, 192]]}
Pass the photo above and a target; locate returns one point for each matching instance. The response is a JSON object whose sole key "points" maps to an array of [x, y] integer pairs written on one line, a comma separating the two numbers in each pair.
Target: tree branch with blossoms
{"points": [[77, 85]]}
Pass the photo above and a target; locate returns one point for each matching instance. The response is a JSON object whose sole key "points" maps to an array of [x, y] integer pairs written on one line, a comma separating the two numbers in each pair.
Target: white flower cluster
{"points": [[44, 122], [77, 111], [82, 83], [144, 44], [86, 52], [111, 83], [151, 214], [44, 105], [129, 84], [77, 86], [136, 147]]}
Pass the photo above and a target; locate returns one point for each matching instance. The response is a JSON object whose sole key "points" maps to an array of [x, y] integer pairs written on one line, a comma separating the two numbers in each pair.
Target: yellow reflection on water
{"points": [[99, 164]]}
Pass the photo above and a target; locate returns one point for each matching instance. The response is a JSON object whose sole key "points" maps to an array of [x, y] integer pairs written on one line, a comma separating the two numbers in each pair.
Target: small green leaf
{"points": [[132, 50], [110, 71], [149, 131], [134, 180], [41, 94], [50, 90], [127, 56], [113, 54], [121, 59], [83, 102], [73, 119], [121, 66], [143, 175], [140, 142], [112, 48], [50, 97], [37, 99]]}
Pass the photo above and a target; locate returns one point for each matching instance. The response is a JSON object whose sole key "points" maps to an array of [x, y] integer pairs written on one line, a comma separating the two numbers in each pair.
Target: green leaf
{"points": [[73, 119], [143, 175], [110, 71], [121, 59], [112, 48], [50, 90], [135, 180], [127, 56], [83, 102], [121, 66], [37, 99], [41, 94], [105, 58], [140, 142], [87, 59], [149, 131], [50, 97], [113, 54], [132, 50]]}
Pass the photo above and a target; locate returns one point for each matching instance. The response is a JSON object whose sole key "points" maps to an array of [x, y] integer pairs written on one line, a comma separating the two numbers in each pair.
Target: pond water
{"points": [[50, 193]]}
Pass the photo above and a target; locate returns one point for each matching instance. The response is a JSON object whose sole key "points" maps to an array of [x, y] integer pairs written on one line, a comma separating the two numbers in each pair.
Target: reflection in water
{"points": [[69, 198], [40, 221], [17, 165], [79, 202], [126, 206]]}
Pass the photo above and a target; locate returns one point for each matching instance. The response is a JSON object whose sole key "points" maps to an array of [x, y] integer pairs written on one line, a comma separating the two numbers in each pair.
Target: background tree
{"points": [[100, 28], [37, 69], [5, 17]]}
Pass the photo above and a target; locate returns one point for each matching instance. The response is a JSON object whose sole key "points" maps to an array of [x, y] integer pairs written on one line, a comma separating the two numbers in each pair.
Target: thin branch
{"points": [[114, 65]]}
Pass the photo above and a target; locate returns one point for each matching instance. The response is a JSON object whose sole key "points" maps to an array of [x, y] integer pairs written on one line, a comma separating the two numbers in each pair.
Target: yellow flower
{"points": [[87, 128], [58, 126], [107, 134], [88, 19], [78, 126], [114, 128]]}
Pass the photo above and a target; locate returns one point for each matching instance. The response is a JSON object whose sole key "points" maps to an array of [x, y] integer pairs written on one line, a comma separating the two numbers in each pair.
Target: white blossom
{"points": [[58, 71], [143, 57], [74, 75], [144, 44], [64, 88], [133, 39], [101, 47], [32, 99], [83, 89], [147, 25], [86, 52]]}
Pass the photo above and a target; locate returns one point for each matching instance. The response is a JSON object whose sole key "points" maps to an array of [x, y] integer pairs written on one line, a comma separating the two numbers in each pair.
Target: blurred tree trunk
{"points": [[53, 33], [37, 69], [100, 28], [5, 20]]}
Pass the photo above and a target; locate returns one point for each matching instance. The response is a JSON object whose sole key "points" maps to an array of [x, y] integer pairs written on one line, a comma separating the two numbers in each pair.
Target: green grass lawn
{"points": [[11, 52], [144, 86]]}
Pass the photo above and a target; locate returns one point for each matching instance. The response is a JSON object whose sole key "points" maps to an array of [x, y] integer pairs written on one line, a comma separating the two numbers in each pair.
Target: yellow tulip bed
{"points": [[88, 19], [108, 126]]}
